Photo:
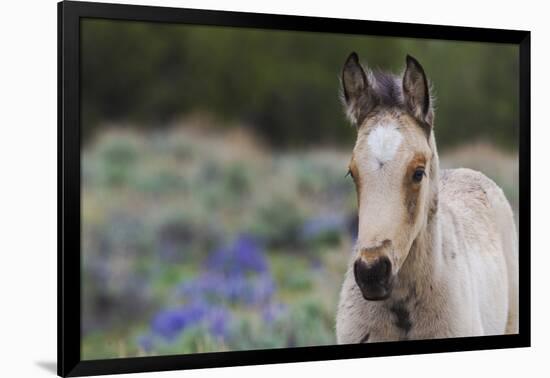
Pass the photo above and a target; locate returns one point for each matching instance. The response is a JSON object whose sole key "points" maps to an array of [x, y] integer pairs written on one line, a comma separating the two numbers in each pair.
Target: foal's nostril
{"points": [[373, 272], [373, 278]]}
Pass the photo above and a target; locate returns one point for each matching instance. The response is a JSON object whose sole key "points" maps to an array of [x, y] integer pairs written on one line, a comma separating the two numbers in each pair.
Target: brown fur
{"points": [[372, 254], [411, 189], [356, 178]]}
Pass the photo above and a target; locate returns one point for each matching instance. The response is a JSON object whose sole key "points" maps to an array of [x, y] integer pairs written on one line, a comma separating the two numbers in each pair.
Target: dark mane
{"points": [[387, 88]]}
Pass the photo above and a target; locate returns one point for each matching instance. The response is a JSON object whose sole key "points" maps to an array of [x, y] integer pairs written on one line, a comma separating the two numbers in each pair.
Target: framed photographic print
{"points": [[239, 188]]}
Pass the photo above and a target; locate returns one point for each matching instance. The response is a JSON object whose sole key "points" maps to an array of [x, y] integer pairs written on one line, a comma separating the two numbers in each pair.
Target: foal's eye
{"points": [[418, 174]]}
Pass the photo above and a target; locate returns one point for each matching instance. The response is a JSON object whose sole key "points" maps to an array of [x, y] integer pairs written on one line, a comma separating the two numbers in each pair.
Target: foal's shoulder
{"points": [[469, 187]]}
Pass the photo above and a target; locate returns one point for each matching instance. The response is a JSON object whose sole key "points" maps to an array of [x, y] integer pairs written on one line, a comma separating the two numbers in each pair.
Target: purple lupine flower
{"points": [[216, 287], [169, 323], [250, 254], [208, 285], [242, 256], [218, 322], [233, 274], [236, 289]]}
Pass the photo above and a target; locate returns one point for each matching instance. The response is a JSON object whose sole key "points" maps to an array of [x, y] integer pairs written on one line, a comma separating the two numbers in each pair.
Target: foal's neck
{"points": [[416, 276]]}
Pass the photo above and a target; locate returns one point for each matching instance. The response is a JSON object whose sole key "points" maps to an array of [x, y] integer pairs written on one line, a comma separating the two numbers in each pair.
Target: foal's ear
{"points": [[357, 94], [416, 91]]}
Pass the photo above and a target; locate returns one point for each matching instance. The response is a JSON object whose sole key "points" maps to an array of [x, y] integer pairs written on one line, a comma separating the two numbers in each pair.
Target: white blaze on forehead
{"points": [[384, 141]]}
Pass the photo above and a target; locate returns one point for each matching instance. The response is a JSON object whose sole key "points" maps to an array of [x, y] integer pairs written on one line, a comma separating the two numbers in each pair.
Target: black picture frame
{"points": [[69, 221]]}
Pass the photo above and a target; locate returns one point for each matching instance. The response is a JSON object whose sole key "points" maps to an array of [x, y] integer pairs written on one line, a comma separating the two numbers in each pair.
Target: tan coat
{"points": [[448, 238], [459, 279]]}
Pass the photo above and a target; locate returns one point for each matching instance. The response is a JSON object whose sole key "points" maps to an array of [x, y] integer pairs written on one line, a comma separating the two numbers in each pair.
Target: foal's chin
{"points": [[376, 292]]}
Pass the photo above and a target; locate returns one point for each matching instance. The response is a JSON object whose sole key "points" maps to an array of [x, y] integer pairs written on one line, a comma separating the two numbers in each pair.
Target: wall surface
{"points": [[28, 190]]}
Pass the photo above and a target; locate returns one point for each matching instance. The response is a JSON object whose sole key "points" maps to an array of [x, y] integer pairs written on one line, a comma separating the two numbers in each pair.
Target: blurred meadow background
{"points": [[216, 214]]}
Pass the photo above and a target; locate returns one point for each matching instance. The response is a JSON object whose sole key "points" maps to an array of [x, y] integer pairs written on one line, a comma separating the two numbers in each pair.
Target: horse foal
{"points": [[437, 252]]}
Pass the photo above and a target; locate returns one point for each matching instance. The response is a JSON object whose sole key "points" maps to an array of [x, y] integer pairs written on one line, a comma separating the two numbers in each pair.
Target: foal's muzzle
{"points": [[374, 278]]}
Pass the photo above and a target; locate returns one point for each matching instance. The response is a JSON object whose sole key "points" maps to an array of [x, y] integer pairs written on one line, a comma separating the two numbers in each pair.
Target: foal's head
{"points": [[391, 166]]}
